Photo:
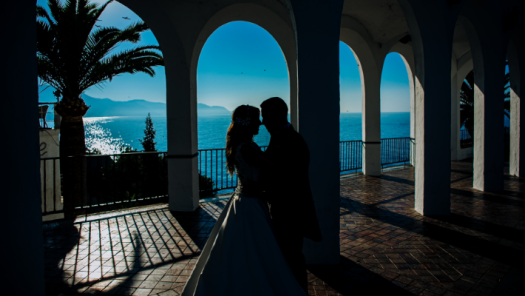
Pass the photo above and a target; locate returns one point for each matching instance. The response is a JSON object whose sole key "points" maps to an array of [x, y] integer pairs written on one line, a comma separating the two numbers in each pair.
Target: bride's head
{"points": [[244, 125]]}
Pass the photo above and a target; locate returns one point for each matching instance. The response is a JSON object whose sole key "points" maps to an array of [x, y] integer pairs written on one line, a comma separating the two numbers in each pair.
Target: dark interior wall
{"points": [[21, 218]]}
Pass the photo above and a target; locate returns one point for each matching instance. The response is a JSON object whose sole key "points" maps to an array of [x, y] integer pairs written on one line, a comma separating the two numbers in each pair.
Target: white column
{"points": [[488, 106], [371, 85], [488, 126], [432, 51], [432, 164], [181, 103], [183, 177], [317, 34], [517, 109], [22, 241]]}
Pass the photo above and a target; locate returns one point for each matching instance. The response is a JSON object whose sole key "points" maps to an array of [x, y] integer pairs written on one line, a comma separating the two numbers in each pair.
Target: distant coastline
{"points": [[110, 108]]}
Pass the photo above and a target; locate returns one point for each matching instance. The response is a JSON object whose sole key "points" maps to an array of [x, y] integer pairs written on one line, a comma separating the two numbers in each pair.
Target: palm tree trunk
{"points": [[72, 146]]}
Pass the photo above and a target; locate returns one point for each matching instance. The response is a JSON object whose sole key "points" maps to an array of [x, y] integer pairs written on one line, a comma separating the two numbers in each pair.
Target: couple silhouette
{"points": [[256, 245]]}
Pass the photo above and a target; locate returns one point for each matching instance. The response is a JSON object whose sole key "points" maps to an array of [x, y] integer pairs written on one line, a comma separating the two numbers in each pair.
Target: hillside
{"points": [[107, 107]]}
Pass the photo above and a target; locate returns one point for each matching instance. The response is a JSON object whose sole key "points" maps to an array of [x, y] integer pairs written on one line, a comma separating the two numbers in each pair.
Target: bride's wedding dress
{"points": [[241, 256]]}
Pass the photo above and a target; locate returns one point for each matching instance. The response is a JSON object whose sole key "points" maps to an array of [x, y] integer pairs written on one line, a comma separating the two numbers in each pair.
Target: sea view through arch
{"points": [[107, 134]]}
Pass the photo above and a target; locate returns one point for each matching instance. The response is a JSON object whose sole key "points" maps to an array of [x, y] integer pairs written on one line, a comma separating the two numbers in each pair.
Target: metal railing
{"points": [[212, 165], [111, 181], [466, 140], [395, 150], [50, 181], [128, 179], [350, 155]]}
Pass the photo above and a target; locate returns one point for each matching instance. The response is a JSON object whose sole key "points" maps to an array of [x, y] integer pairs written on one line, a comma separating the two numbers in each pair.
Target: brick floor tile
{"points": [[385, 244]]}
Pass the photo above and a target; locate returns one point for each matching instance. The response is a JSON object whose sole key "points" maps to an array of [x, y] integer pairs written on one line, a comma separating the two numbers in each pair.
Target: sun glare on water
{"points": [[100, 138]]}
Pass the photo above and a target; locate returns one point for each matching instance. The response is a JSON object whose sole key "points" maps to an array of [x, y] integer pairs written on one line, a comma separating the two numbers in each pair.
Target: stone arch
{"points": [[266, 19], [368, 66], [181, 113], [462, 64], [353, 34]]}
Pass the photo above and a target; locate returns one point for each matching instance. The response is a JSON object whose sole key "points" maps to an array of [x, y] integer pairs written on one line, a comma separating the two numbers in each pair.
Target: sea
{"points": [[109, 134]]}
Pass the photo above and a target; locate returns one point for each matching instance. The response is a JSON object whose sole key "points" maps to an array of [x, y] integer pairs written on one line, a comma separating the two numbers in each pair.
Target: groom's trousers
{"points": [[291, 245]]}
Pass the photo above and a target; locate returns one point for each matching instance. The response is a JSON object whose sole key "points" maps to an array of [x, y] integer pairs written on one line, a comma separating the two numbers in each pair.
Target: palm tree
{"points": [[506, 92], [466, 103], [74, 54], [467, 100]]}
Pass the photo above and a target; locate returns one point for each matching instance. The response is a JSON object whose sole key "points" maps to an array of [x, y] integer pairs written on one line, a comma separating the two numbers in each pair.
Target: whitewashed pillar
{"points": [[517, 108], [371, 86], [181, 105], [432, 42], [316, 26], [489, 70], [183, 177]]}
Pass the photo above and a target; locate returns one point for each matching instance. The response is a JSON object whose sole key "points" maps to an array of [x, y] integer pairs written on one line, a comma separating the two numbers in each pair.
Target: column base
{"points": [[372, 158], [183, 184]]}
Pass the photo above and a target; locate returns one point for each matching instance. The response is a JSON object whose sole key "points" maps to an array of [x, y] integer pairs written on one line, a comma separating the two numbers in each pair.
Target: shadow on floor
{"points": [[111, 255], [471, 243], [350, 278]]}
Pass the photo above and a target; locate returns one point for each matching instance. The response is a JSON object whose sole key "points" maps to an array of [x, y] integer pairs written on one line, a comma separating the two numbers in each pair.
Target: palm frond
{"points": [[55, 7], [41, 12], [139, 59], [73, 56]]}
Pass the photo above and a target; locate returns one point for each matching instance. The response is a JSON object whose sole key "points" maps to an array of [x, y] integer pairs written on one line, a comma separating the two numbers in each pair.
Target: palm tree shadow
{"points": [[124, 287], [68, 235], [58, 287]]}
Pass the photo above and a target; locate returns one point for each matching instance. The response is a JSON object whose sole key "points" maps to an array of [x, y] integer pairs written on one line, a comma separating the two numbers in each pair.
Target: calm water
{"points": [[109, 133]]}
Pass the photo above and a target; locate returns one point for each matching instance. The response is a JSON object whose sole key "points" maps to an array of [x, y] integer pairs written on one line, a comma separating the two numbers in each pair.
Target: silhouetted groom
{"points": [[287, 188]]}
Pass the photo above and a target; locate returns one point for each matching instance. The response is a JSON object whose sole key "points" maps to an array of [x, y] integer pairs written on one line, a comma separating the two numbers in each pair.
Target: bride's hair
{"points": [[241, 127]]}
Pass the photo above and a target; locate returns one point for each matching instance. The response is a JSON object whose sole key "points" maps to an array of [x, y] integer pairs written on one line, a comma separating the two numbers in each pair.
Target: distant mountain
{"points": [[107, 107]]}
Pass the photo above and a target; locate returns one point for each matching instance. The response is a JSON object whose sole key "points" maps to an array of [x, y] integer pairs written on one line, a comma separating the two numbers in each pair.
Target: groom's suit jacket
{"points": [[287, 187]]}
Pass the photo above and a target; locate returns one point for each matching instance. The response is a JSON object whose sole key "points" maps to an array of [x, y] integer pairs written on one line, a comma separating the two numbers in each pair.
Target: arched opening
{"points": [[395, 110], [115, 120], [118, 108], [462, 96], [351, 94], [466, 111], [395, 98], [351, 106], [240, 63]]}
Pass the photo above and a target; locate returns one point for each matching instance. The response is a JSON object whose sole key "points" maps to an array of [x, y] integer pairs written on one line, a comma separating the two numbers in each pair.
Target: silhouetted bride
{"points": [[241, 256]]}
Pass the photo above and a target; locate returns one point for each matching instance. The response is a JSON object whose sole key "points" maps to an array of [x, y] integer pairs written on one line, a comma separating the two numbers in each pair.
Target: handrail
{"points": [[116, 180]]}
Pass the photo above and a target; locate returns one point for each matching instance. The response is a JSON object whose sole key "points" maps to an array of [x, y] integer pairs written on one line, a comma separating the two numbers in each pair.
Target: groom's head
{"points": [[274, 113]]}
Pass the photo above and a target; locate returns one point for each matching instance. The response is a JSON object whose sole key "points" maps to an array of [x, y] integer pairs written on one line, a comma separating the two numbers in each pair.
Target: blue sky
{"points": [[241, 63]]}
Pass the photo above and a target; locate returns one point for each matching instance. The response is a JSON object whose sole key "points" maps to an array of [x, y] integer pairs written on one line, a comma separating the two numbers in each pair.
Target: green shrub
{"points": [[206, 186]]}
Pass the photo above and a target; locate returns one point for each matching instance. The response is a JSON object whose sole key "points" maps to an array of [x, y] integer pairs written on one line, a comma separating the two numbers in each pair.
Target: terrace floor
{"points": [[386, 247]]}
